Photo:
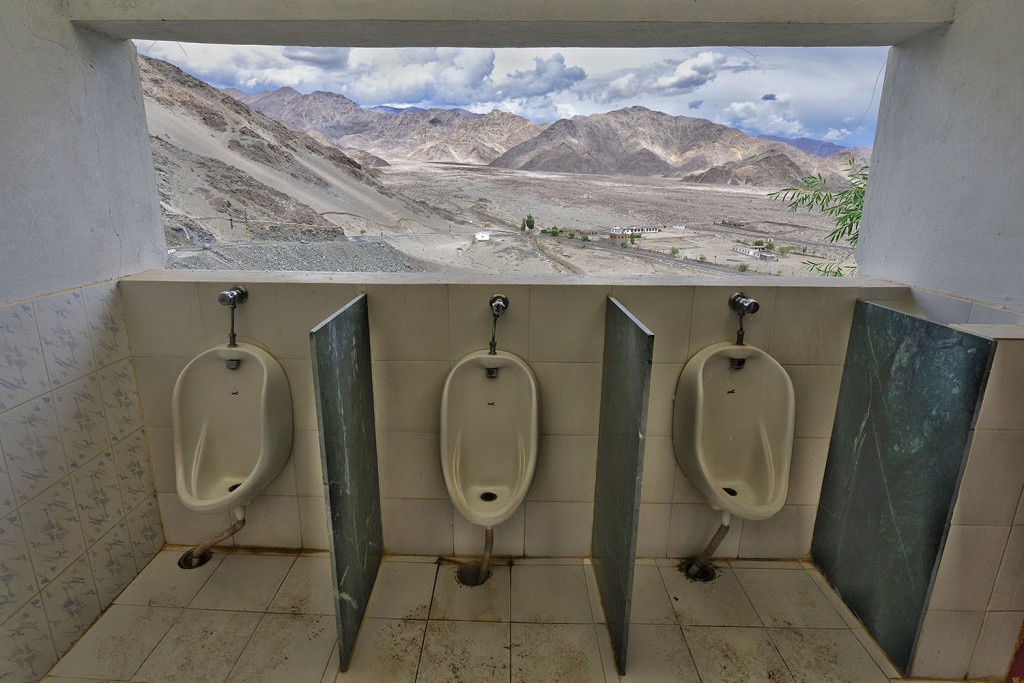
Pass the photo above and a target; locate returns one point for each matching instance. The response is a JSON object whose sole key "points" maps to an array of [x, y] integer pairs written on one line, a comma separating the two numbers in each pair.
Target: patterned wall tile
{"points": [[113, 563], [107, 327], [71, 604], [26, 649], [83, 427], [30, 438], [133, 469], [17, 578], [121, 399], [64, 333], [98, 496], [53, 531], [146, 532], [22, 366]]}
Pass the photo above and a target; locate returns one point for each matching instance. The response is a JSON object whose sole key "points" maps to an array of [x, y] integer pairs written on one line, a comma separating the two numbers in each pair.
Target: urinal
{"points": [[231, 414], [732, 431], [489, 435]]}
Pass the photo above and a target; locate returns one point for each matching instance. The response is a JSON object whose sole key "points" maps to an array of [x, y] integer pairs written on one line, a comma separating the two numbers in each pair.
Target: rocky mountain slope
{"points": [[227, 173], [638, 141]]}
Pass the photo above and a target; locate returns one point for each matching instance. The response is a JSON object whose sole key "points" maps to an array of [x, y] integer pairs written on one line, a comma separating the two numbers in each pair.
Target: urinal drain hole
{"points": [[488, 497], [731, 492], [233, 487]]}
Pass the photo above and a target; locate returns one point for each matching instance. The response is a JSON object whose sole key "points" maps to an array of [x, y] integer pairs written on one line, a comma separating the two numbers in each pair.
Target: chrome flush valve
{"points": [[742, 305]]}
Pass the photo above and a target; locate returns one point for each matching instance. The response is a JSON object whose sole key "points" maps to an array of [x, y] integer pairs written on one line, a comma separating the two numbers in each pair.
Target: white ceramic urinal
{"points": [[489, 435], [232, 422], [732, 430]]}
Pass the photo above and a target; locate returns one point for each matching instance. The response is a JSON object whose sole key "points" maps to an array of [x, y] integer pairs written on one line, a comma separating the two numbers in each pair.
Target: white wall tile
{"points": [[661, 404], [811, 325], [967, 570], [417, 527], [558, 529], [714, 321], [693, 525], [163, 318], [300, 380], [97, 495], [667, 312], [182, 526], [509, 536], [19, 579], [990, 315], [271, 522], [409, 323], [30, 438], [566, 468], [407, 396], [53, 531], [300, 307], [807, 470], [1004, 393], [786, 535], [161, 456], [284, 483], [816, 388], [313, 523], [80, 414], [145, 529], [659, 470], [996, 645], [1008, 593], [410, 465], [946, 644], [940, 308], [71, 604], [309, 471], [22, 365], [993, 480], [470, 317], [684, 491], [121, 401], [26, 647], [113, 563], [156, 378], [652, 535], [107, 326], [567, 323], [569, 392], [64, 333]]}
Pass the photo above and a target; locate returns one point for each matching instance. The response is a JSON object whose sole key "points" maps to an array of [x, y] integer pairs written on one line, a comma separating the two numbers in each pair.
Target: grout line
{"points": [[426, 623]]}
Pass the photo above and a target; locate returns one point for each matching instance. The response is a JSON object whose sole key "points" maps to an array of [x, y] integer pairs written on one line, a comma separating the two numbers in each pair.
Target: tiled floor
{"points": [[270, 618]]}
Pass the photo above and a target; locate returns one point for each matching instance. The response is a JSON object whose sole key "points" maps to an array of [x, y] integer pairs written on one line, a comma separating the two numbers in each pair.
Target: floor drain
{"points": [[189, 560], [233, 487], [731, 492], [692, 572], [488, 497], [469, 575]]}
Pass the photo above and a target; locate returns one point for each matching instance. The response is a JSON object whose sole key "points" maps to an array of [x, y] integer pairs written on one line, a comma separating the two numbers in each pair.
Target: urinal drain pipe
{"points": [[697, 568], [485, 563], [201, 554]]}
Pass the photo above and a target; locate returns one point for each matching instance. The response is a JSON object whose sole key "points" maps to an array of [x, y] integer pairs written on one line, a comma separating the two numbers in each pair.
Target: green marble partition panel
{"points": [[348, 448], [625, 390], [907, 405]]}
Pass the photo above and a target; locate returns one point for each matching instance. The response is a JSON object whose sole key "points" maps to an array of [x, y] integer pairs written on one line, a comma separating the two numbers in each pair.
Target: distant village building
{"points": [[482, 237], [633, 230], [760, 253]]}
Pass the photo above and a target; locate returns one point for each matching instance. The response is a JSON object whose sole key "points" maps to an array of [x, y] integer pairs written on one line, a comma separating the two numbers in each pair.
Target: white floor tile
{"points": [[788, 599], [474, 652], [402, 591], [244, 583], [456, 602], [567, 653], [735, 655], [287, 647], [721, 602], [875, 652], [658, 653], [826, 656], [164, 584], [833, 598], [307, 588], [651, 604], [202, 645], [118, 643], [550, 594], [387, 650]]}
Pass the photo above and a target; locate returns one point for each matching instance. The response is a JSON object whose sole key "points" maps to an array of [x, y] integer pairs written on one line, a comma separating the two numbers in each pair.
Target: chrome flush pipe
{"points": [[499, 304], [231, 298]]}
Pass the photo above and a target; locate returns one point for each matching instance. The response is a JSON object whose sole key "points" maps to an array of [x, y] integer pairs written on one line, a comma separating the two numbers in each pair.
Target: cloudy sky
{"points": [[824, 93]]}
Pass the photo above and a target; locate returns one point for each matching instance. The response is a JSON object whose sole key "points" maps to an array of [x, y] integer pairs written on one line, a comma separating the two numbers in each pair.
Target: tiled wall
{"points": [[977, 603], [418, 329], [78, 515]]}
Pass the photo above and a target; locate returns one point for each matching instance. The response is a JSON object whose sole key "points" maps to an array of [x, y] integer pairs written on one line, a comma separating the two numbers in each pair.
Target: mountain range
{"points": [[632, 141]]}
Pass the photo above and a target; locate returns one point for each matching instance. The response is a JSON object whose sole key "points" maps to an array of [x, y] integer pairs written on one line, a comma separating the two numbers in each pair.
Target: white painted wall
{"points": [[945, 209], [78, 197]]}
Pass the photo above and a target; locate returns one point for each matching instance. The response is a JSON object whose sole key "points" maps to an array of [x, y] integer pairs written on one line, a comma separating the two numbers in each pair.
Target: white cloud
{"points": [[692, 73], [771, 117]]}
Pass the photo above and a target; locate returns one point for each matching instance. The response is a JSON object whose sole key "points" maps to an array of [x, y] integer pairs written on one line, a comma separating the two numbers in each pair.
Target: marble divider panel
{"points": [[907, 404]]}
